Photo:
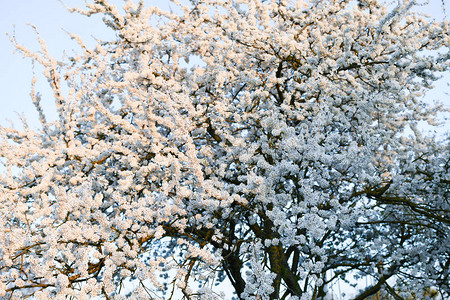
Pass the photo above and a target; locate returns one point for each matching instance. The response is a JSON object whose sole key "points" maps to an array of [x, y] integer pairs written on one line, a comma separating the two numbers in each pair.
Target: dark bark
{"points": [[233, 265]]}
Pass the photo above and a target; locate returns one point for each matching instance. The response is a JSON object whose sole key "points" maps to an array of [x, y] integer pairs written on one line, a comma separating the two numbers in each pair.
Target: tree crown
{"points": [[264, 143]]}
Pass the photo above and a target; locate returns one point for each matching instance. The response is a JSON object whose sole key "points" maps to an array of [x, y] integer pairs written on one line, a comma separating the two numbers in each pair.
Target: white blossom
{"points": [[270, 145]]}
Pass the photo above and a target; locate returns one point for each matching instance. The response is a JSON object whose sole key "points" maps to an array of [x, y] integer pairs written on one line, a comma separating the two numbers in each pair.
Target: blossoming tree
{"points": [[284, 158]]}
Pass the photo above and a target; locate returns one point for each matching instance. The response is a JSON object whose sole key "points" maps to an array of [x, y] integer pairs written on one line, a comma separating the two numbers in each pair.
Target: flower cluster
{"points": [[262, 143]]}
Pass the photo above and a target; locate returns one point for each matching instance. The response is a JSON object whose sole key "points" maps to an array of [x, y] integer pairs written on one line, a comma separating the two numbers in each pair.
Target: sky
{"points": [[52, 21], [51, 18]]}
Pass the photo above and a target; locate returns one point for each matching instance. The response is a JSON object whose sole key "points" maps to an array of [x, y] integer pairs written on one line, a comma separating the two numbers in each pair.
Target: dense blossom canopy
{"points": [[269, 144]]}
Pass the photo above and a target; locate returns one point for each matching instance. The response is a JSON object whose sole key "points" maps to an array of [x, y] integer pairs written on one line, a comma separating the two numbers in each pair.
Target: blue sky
{"points": [[51, 18]]}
